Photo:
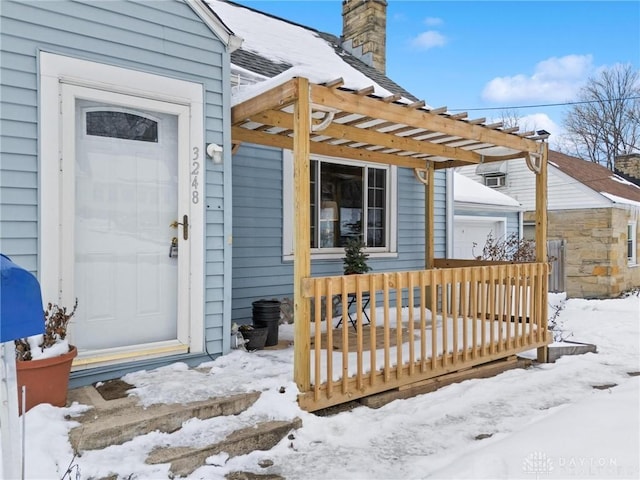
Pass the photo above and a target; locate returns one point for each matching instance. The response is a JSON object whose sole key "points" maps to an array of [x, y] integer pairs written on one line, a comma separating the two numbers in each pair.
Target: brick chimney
{"points": [[628, 167], [364, 31]]}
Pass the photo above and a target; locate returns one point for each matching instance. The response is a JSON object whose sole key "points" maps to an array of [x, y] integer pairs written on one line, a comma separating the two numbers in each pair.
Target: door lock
{"points": [[185, 226], [173, 248]]}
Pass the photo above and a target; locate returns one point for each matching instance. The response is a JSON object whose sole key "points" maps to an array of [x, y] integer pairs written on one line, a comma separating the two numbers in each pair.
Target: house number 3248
{"points": [[195, 171]]}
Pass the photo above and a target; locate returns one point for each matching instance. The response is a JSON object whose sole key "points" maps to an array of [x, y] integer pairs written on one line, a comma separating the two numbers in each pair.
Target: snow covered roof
{"points": [[621, 200], [272, 46], [466, 190]]}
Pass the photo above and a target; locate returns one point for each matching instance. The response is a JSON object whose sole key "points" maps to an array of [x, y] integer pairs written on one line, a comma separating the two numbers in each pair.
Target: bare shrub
{"points": [[510, 248]]}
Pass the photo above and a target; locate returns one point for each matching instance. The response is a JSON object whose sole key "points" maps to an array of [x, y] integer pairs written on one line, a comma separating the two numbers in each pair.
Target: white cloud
{"points": [[556, 79], [429, 39], [433, 21], [540, 121], [537, 121]]}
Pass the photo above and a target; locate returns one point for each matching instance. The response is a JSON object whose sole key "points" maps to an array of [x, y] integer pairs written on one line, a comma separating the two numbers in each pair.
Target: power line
{"points": [[542, 105]]}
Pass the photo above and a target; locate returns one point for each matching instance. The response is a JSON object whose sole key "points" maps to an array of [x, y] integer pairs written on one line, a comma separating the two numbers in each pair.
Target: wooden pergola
{"points": [[333, 121]]}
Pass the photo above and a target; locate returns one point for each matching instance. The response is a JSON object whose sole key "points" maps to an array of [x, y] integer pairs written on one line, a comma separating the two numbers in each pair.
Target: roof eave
{"points": [[487, 207], [215, 24]]}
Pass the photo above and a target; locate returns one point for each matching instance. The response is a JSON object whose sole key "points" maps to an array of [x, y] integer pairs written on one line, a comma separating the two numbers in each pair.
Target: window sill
{"points": [[340, 255]]}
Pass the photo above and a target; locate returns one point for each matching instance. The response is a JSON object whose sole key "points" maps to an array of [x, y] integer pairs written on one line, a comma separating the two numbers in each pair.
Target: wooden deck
{"points": [[424, 324], [352, 338]]}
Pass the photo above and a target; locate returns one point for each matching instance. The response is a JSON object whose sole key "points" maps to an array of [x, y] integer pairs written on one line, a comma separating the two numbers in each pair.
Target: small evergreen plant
{"points": [[355, 260]]}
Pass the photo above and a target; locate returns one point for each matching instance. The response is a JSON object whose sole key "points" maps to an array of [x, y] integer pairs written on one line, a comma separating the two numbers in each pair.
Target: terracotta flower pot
{"points": [[46, 380]]}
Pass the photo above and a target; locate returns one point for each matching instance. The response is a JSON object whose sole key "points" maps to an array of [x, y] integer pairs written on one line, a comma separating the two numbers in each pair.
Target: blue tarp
{"points": [[21, 312]]}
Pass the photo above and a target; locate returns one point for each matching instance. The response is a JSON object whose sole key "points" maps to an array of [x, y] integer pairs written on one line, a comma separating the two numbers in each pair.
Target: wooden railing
{"points": [[422, 324]]}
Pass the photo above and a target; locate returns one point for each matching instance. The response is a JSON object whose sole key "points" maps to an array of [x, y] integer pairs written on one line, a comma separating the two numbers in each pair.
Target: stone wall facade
{"points": [[364, 28], [596, 262]]}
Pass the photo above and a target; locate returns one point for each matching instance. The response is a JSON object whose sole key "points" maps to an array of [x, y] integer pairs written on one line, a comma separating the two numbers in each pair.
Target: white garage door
{"points": [[470, 235]]}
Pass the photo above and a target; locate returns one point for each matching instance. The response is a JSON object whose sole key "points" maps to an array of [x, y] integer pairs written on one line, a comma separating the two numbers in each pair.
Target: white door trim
{"points": [[109, 84]]}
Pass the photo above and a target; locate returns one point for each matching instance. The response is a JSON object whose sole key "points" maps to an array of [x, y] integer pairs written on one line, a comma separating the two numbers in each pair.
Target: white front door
{"points": [[125, 198], [126, 181]]}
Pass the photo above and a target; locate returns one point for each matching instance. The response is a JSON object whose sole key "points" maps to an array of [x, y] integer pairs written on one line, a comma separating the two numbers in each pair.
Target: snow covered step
{"points": [[113, 422], [262, 436]]}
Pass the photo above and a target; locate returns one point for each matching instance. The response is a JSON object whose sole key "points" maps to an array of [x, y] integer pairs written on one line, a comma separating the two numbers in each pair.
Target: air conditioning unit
{"points": [[495, 181]]}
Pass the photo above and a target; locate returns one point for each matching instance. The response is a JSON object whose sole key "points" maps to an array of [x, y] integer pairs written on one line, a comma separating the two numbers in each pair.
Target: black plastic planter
{"points": [[256, 336], [266, 313]]}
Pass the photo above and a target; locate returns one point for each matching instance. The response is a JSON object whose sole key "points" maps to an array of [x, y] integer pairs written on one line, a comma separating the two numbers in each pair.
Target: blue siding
{"points": [[259, 270], [161, 37], [440, 220]]}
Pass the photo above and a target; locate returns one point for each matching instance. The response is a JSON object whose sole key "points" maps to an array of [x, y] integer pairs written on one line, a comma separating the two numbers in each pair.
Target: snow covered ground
{"points": [[544, 422]]}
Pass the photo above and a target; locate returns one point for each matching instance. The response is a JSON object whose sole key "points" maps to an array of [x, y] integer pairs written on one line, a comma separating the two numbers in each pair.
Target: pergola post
{"points": [[429, 212], [541, 237], [429, 222], [302, 229]]}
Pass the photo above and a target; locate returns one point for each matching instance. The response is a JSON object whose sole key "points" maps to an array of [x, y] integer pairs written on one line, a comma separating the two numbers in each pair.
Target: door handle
{"points": [[185, 226]]}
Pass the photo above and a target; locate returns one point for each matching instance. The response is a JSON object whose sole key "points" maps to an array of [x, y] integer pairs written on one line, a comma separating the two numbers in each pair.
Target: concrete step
{"points": [[262, 436], [113, 422]]}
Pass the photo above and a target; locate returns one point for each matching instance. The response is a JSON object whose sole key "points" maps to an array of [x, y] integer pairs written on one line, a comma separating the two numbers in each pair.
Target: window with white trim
{"points": [[631, 243], [348, 199]]}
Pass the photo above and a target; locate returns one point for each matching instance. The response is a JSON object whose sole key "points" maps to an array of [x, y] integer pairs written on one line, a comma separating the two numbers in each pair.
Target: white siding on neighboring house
{"points": [[564, 192]]}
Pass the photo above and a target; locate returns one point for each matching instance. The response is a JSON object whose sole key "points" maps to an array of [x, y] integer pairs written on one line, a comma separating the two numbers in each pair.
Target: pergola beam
{"points": [[277, 97], [372, 137], [343, 100], [323, 148], [486, 159]]}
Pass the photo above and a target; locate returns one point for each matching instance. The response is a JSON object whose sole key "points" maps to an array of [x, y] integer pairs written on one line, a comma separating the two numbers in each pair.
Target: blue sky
{"points": [[474, 55]]}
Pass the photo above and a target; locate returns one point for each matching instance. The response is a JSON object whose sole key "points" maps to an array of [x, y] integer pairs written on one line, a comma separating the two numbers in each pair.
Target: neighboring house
{"points": [[481, 212], [595, 211], [106, 111]]}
